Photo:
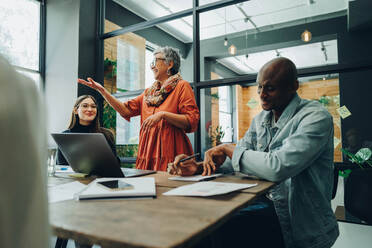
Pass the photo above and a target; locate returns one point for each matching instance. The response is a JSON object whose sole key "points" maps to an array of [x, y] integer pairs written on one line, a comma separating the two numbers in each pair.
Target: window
{"points": [[225, 113], [20, 34], [127, 132], [149, 75]]}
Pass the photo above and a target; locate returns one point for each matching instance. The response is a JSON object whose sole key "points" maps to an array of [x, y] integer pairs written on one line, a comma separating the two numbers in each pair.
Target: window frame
{"points": [[197, 84]]}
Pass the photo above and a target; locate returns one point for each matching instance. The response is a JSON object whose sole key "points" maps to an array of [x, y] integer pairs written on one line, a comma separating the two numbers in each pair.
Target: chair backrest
{"points": [[358, 194], [335, 180], [337, 167]]}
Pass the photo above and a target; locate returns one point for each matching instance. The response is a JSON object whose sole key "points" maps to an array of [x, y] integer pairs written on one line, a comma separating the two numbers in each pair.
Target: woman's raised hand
{"points": [[92, 84]]}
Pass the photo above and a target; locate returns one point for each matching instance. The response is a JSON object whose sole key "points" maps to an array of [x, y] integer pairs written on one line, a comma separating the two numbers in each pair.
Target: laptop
{"points": [[90, 153]]}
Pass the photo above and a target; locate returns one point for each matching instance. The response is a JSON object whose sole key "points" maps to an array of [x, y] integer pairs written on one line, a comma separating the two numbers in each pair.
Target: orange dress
{"points": [[159, 144]]}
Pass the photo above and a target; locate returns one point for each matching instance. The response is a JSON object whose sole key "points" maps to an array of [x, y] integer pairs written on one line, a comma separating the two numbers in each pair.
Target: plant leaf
{"points": [[364, 154], [344, 173]]}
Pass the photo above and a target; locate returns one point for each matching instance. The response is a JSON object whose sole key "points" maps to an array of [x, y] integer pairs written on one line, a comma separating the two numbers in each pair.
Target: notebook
{"points": [[90, 153], [140, 188]]}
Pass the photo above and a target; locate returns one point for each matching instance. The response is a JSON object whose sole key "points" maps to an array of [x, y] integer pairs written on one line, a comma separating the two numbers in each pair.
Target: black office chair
{"points": [[335, 180], [337, 167], [61, 243], [358, 194]]}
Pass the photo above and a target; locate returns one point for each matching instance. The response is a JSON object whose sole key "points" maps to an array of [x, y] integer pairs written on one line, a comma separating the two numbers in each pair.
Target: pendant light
{"points": [[246, 45], [225, 42], [232, 49], [306, 36]]}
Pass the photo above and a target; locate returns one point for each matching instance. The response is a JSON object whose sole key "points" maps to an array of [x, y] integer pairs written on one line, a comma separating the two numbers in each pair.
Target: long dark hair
{"points": [[95, 126]]}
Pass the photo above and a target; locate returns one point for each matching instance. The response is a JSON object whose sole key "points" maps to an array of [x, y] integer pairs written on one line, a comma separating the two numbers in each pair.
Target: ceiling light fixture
{"points": [[324, 50], [232, 49], [306, 36], [310, 2], [225, 42], [277, 53], [246, 45]]}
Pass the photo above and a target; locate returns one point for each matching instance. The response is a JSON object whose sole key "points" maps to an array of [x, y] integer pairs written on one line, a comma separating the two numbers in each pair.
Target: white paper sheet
{"points": [[195, 178], [142, 187], [64, 192], [208, 189]]}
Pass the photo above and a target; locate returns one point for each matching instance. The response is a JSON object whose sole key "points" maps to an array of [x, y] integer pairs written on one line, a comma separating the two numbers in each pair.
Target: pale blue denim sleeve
{"points": [[246, 143], [298, 150], [226, 167]]}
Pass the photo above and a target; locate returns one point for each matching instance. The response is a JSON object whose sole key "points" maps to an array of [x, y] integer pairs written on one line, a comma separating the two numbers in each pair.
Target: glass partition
{"points": [[227, 111], [127, 59], [19, 32]]}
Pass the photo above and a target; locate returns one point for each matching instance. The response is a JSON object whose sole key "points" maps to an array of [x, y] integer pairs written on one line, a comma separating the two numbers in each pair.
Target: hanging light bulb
{"points": [[306, 36], [232, 49], [225, 42]]}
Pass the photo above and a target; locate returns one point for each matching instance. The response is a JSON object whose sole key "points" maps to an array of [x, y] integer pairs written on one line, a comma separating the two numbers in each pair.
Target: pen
{"points": [[190, 157]]}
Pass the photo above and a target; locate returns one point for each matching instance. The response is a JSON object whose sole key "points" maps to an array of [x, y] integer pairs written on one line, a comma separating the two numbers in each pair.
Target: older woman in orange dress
{"points": [[168, 111]]}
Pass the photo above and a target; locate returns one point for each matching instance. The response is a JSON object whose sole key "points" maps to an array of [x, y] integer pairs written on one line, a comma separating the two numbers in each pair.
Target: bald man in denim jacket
{"points": [[289, 142]]}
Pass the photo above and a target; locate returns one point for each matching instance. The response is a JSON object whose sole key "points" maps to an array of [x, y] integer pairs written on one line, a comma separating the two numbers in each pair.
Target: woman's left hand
{"points": [[153, 120]]}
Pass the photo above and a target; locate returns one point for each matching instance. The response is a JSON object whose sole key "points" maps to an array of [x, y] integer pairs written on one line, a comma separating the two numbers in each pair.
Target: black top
{"points": [[83, 129]]}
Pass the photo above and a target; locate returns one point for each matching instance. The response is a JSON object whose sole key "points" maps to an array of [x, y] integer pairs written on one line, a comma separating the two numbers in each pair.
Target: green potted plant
{"points": [[362, 158], [215, 96], [217, 135], [324, 100], [109, 116], [109, 68]]}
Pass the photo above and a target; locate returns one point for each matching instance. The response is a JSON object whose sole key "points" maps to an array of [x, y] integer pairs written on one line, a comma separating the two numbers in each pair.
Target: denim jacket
{"points": [[297, 152]]}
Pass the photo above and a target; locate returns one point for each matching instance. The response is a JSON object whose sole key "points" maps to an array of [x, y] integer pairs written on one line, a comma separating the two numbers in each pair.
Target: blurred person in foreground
{"points": [[23, 207], [168, 111], [290, 142]]}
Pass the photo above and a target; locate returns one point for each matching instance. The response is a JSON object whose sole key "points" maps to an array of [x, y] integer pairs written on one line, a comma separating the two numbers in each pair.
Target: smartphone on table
{"points": [[115, 185]]}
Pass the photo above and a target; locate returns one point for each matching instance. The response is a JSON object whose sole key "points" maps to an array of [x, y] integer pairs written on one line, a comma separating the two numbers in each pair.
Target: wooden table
{"points": [[167, 221]]}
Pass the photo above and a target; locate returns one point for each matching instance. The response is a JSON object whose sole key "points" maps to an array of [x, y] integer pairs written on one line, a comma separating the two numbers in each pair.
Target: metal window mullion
{"points": [[42, 42], [196, 69], [99, 56], [250, 79], [171, 17]]}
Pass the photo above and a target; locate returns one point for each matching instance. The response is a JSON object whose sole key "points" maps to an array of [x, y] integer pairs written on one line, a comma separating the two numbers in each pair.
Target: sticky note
{"points": [[252, 103], [343, 112]]}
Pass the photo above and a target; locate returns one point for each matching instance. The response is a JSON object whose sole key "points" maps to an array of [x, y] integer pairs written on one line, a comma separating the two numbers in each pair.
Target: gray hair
{"points": [[170, 54]]}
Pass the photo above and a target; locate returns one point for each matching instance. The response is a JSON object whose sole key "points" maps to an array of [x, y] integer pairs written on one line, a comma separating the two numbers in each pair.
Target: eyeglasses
{"points": [[86, 106], [153, 62]]}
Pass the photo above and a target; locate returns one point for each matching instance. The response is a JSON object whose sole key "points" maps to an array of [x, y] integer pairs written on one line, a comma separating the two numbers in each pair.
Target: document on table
{"points": [[208, 189], [141, 188], [195, 178], [64, 192]]}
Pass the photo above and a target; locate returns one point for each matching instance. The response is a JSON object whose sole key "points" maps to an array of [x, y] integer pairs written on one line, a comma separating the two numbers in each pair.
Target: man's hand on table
{"points": [[213, 158]]}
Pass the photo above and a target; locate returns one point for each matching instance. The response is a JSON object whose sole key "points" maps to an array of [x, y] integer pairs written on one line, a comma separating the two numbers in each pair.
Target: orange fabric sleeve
{"points": [[134, 105], [187, 106]]}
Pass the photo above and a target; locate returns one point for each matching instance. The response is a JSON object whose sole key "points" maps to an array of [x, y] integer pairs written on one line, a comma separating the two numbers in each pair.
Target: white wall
{"points": [[62, 41]]}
